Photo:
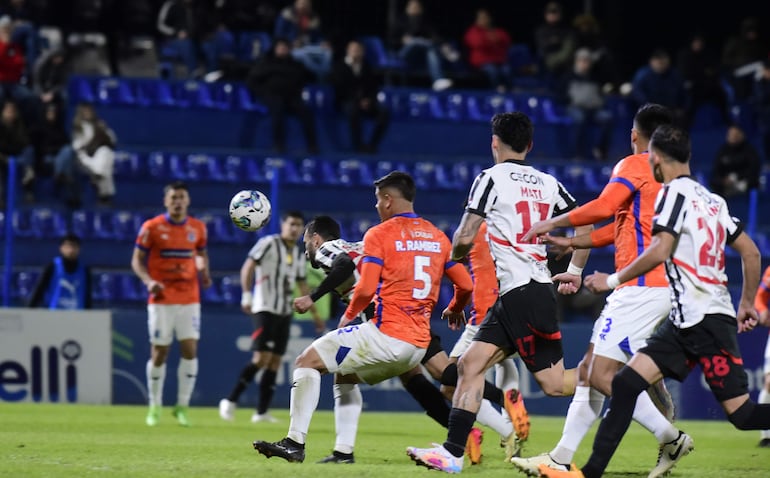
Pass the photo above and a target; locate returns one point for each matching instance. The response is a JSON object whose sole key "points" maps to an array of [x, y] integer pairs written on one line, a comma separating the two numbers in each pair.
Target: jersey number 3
{"points": [[421, 275]]}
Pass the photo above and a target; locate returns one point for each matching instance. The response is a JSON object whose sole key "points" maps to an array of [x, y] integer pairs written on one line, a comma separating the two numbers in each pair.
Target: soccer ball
{"points": [[250, 210]]}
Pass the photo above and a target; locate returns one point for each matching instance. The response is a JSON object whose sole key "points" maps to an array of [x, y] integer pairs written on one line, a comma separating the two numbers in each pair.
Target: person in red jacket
{"points": [[488, 47], [11, 55]]}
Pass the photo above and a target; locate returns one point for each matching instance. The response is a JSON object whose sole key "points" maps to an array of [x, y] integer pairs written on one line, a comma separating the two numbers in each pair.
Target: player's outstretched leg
{"points": [[436, 458], [287, 449]]}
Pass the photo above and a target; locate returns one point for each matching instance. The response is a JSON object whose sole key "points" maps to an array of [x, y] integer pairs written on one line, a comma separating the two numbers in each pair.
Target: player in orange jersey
{"points": [[405, 257], [761, 303], [171, 260], [632, 310]]}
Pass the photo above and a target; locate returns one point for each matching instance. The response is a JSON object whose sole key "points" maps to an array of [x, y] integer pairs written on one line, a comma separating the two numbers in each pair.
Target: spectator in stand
{"points": [[94, 143], [66, 282], [355, 91], [301, 26], [14, 141], [554, 41], [51, 74], [736, 165], [582, 93], [12, 67], [418, 43], [588, 36], [742, 57], [190, 29], [25, 31], [657, 82], [702, 81], [248, 15], [760, 100], [487, 47], [54, 154], [277, 80]]}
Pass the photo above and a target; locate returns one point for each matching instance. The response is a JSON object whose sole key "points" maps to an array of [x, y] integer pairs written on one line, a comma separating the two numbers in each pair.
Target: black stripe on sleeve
{"points": [[662, 200], [569, 200], [482, 203], [731, 237], [675, 211], [476, 184]]}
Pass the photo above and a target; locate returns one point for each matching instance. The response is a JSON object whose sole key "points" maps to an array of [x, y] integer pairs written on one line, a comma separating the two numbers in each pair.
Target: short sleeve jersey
{"points": [[413, 254], [511, 196], [482, 269], [278, 268], [329, 250], [171, 249], [702, 226], [762, 299]]}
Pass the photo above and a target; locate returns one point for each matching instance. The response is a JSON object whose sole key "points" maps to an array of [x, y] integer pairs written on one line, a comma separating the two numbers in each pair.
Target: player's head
{"points": [[511, 136], [647, 118], [395, 194], [176, 199], [292, 224], [318, 231], [669, 152], [69, 246]]}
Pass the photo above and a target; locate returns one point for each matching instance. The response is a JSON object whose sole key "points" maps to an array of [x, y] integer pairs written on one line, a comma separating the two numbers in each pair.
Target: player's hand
{"points": [[764, 318], [597, 282], [303, 304], [747, 317], [568, 283], [154, 287], [538, 229], [559, 244], [206, 280], [456, 319]]}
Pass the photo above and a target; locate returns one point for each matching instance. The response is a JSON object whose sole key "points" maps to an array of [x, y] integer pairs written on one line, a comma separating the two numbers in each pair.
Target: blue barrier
{"points": [[10, 197]]}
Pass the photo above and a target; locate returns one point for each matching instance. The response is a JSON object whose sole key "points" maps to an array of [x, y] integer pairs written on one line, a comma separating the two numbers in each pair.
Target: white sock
{"points": [[186, 373], [506, 378], [764, 397], [648, 416], [583, 411], [305, 390], [489, 416], [155, 378], [348, 403]]}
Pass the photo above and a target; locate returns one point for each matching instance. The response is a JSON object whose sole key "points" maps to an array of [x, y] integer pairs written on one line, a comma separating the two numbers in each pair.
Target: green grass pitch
{"points": [[41, 440]]}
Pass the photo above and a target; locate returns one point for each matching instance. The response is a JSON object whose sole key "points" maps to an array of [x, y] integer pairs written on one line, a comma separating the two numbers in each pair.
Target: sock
{"points": [[348, 403], [430, 398], [155, 378], [626, 387], [305, 390], [507, 375], [492, 393], [583, 411], [186, 373], [649, 416], [244, 379], [460, 424], [266, 391], [490, 417], [751, 416], [764, 397]]}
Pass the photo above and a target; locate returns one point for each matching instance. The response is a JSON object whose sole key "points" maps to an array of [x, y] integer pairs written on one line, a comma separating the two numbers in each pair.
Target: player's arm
{"points": [[139, 266], [341, 270], [752, 268], [320, 326], [762, 299], [247, 283], [463, 287], [36, 299], [365, 289], [462, 241], [604, 236], [202, 266]]}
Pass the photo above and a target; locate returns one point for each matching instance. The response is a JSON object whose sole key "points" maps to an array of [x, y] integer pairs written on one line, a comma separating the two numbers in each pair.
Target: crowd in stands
{"points": [[278, 47]]}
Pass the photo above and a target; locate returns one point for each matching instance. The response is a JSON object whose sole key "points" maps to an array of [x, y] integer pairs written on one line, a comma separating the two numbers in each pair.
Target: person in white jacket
{"points": [[94, 143]]}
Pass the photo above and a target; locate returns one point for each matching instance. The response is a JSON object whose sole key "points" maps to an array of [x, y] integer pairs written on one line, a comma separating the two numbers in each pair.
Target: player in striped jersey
{"points": [[632, 311], [691, 228], [761, 303], [509, 196]]}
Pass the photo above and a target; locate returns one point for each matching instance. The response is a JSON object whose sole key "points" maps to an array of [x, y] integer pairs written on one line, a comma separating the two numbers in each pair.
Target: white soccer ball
{"points": [[250, 210]]}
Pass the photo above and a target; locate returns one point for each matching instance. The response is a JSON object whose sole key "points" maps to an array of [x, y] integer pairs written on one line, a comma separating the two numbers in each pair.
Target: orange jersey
{"points": [[482, 267], [762, 300], [413, 254], [171, 249], [629, 196]]}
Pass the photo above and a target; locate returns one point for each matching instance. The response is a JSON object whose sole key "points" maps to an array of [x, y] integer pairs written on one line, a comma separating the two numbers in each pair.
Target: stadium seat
{"points": [[286, 169], [47, 223], [115, 91], [230, 287], [424, 175], [212, 295], [200, 167], [252, 45], [359, 226], [129, 288], [425, 106], [127, 165], [553, 113], [456, 107], [81, 90], [158, 166], [354, 172], [125, 225], [193, 94], [82, 223], [383, 167], [464, 173], [309, 171], [105, 288], [152, 92], [23, 284], [378, 56], [246, 101], [482, 109]]}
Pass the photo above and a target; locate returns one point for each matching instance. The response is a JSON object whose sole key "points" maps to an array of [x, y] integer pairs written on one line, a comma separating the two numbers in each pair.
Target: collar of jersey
{"points": [[522, 162], [174, 223], [406, 214]]}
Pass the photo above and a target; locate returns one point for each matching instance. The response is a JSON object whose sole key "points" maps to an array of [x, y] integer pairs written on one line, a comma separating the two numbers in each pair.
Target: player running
{"points": [[761, 303]]}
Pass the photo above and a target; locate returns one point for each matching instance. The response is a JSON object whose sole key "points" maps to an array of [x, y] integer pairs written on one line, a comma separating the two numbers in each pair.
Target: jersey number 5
{"points": [[421, 275]]}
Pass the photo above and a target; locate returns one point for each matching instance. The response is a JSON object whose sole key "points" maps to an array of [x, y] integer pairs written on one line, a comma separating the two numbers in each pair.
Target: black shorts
{"points": [[271, 332], [713, 344], [524, 320], [434, 347]]}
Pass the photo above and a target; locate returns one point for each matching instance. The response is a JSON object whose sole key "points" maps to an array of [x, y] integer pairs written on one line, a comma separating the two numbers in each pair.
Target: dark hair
{"points": [[70, 237], [295, 214], [514, 129], [400, 181], [649, 116], [672, 142], [324, 226], [176, 185]]}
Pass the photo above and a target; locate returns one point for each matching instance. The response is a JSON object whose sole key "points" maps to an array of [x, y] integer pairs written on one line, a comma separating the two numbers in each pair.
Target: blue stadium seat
{"points": [[286, 169], [456, 107], [482, 109], [105, 288], [129, 288], [158, 166], [48, 223], [383, 167], [424, 175], [378, 55], [83, 223], [23, 284], [230, 287], [212, 295], [81, 90], [200, 167], [128, 165], [224, 95], [125, 225], [319, 97], [246, 101], [425, 106], [464, 173], [446, 179], [309, 171], [354, 172], [152, 92], [553, 113], [115, 91], [252, 45], [254, 168], [193, 94], [395, 100]]}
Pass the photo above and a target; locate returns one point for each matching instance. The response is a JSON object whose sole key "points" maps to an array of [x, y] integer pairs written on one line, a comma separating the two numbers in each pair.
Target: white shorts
{"points": [[628, 319], [365, 351], [164, 320], [767, 357], [464, 341]]}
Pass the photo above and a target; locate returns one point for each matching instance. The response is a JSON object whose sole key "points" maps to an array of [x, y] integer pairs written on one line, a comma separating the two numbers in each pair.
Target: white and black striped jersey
{"points": [[512, 196], [278, 269], [702, 225], [329, 250]]}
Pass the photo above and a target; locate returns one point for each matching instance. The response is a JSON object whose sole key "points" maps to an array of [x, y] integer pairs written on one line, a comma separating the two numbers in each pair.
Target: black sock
{"points": [[266, 390], [751, 416], [449, 375], [460, 424], [430, 398], [626, 387], [247, 375], [493, 394]]}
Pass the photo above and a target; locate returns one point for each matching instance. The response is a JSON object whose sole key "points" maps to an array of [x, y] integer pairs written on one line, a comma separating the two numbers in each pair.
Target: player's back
{"points": [[330, 250], [413, 254], [482, 269]]}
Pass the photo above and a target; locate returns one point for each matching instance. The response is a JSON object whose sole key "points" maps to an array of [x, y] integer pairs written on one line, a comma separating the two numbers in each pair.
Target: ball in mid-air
{"points": [[250, 210]]}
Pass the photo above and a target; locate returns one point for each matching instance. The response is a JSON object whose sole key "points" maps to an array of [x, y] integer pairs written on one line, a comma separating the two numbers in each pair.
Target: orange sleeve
{"points": [[604, 236], [463, 285], [614, 194], [365, 289], [762, 298]]}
